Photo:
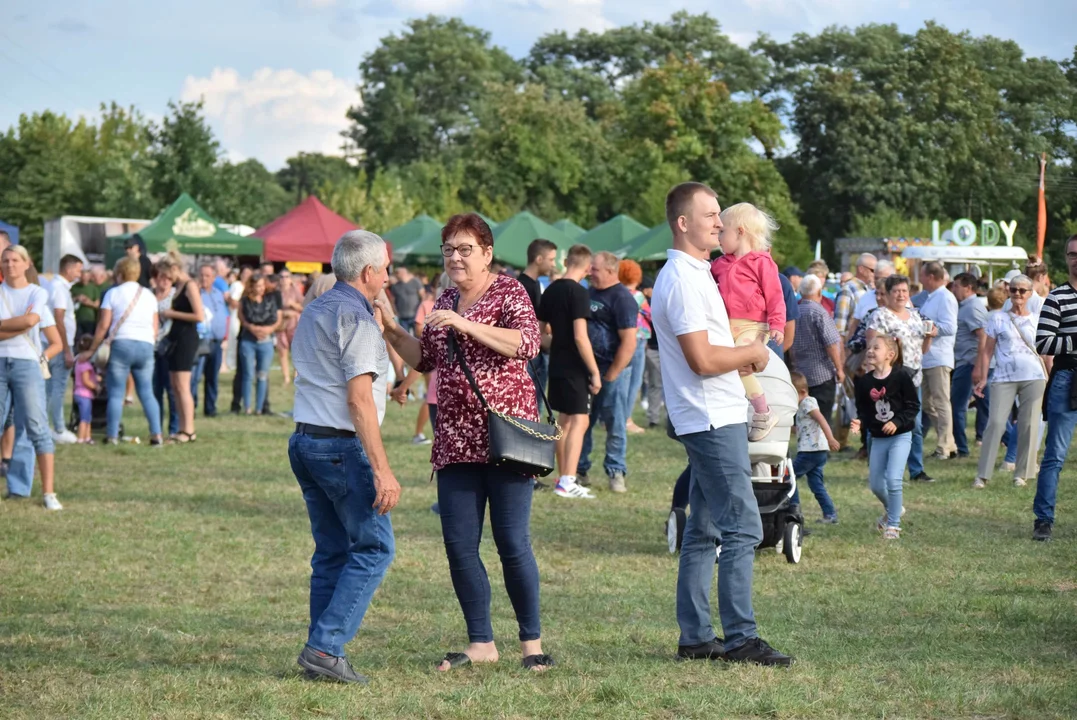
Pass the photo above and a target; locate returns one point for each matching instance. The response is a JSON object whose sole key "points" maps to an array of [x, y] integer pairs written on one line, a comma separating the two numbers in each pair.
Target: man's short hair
{"points": [[211, 265], [817, 266], [966, 280], [680, 199], [810, 285], [356, 250], [5, 239], [609, 260], [861, 259], [578, 256], [538, 248], [68, 260], [1066, 246], [935, 270]]}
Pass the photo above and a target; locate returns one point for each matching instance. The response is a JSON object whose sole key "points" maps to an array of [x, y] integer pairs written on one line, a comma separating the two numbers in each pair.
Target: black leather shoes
{"points": [[758, 652], [713, 650]]}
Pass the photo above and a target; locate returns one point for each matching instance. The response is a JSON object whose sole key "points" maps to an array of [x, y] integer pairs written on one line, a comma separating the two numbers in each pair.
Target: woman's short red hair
{"points": [[471, 224], [629, 272]]}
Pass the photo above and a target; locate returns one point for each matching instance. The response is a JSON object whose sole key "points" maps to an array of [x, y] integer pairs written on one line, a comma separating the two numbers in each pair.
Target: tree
{"points": [[249, 195], [420, 90], [680, 124], [185, 153], [593, 66], [303, 174], [120, 183], [378, 205]]}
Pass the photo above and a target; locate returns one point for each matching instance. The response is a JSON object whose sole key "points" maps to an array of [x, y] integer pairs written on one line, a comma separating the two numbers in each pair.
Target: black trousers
{"points": [[824, 394]]}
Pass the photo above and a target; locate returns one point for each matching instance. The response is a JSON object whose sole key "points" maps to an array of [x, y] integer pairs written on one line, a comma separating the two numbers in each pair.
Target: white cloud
{"points": [[273, 114]]}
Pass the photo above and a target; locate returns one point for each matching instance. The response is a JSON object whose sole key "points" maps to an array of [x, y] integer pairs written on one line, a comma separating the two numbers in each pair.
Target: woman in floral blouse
{"points": [[497, 333], [899, 320]]}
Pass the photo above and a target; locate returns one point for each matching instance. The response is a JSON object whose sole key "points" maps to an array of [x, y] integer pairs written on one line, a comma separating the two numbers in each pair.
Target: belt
{"points": [[321, 431]]}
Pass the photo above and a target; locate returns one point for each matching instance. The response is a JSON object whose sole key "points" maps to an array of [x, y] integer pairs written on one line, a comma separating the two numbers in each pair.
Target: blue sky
{"points": [[278, 75]]}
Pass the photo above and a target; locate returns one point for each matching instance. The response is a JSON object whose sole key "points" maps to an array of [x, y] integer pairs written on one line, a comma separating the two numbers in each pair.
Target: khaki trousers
{"points": [[1030, 395], [936, 391]]}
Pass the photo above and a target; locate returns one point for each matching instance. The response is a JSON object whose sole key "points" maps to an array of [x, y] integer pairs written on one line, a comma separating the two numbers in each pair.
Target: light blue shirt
{"points": [[336, 340], [941, 308], [213, 300]]}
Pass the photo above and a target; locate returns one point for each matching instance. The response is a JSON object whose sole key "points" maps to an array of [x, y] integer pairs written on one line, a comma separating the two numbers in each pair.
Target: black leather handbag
{"points": [[522, 446]]}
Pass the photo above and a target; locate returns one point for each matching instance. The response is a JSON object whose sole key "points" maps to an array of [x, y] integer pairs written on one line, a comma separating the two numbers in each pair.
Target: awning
{"points": [[307, 233], [971, 254]]}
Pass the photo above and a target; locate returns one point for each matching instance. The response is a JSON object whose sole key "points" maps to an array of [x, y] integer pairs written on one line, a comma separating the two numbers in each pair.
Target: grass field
{"points": [[173, 585]]}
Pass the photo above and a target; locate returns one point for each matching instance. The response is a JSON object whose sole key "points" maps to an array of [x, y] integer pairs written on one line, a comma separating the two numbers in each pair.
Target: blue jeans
{"points": [[916, 451], [723, 509], [812, 464], [22, 389], [630, 393], [209, 367], [55, 387], [539, 370], [353, 545], [131, 357], [608, 407], [463, 492], [886, 467], [1061, 422], [162, 385], [254, 361]]}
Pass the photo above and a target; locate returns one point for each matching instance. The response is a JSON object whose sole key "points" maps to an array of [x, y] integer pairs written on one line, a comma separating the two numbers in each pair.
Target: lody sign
{"points": [[964, 233]]}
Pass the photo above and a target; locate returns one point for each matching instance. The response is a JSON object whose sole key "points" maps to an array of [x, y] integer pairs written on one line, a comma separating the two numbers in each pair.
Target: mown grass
{"points": [[174, 584]]}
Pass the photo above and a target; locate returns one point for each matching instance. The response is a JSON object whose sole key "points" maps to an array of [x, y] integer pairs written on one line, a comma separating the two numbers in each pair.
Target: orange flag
{"points": [[1041, 219]]}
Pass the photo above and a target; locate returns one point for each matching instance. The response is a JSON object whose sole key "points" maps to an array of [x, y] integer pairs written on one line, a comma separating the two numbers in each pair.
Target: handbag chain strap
{"points": [[456, 350]]}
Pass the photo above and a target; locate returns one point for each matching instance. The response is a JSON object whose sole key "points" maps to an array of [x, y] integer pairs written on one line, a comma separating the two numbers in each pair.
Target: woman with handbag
{"points": [[480, 337], [126, 330], [1019, 373], [24, 311], [182, 340]]}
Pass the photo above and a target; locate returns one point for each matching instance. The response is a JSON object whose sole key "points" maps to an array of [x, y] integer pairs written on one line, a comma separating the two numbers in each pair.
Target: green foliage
{"points": [[377, 205], [249, 195], [303, 174], [186, 155], [885, 222]]}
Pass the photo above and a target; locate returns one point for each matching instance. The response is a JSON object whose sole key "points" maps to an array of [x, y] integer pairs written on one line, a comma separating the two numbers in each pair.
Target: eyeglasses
{"points": [[1019, 291], [465, 249]]}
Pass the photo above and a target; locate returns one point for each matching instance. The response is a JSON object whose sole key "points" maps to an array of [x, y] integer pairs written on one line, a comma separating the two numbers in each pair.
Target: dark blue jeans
{"points": [[463, 492], [162, 385], [723, 509], [353, 545], [1061, 423], [208, 367], [608, 407], [812, 464]]}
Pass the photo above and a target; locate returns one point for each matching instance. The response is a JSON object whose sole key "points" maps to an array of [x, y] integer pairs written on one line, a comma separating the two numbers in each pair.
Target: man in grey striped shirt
{"points": [[1056, 337]]}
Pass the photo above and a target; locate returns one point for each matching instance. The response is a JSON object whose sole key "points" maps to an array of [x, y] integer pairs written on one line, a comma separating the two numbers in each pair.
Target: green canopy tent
{"points": [[188, 229], [417, 240], [613, 234], [649, 246], [512, 237], [574, 231]]}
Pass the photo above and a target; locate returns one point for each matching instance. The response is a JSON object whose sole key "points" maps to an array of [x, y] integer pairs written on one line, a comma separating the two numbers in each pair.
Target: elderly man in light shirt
{"points": [[940, 308], [867, 302], [337, 455]]}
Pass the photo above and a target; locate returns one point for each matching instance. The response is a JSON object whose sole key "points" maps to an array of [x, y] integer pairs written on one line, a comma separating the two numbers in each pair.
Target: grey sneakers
{"points": [[617, 482], [319, 665]]}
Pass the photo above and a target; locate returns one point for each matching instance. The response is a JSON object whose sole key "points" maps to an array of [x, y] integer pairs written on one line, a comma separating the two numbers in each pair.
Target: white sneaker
{"points": [[572, 490], [762, 424], [979, 484], [1008, 466], [1018, 482], [64, 438], [51, 503], [421, 439]]}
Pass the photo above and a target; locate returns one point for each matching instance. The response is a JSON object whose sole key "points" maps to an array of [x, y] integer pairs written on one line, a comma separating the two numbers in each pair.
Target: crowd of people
{"points": [[159, 330]]}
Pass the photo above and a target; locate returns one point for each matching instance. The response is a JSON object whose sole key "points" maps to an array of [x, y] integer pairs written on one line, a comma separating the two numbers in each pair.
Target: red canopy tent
{"points": [[306, 233]]}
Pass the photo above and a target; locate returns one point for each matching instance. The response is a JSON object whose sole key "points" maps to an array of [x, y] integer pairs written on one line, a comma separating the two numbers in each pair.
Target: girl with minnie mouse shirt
{"points": [[887, 404]]}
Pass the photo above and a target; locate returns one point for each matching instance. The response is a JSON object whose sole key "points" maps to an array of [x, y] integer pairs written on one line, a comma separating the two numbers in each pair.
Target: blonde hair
{"points": [[758, 227], [21, 251], [996, 297], [127, 270]]}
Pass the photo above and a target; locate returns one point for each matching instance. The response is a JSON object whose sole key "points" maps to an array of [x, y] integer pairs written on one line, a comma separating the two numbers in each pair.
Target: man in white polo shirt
{"points": [[706, 405]]}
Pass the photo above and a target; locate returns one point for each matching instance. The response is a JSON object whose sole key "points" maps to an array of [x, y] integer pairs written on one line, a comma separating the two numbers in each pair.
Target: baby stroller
{"points": [[98, 412], [773, 479], [772, 473]]}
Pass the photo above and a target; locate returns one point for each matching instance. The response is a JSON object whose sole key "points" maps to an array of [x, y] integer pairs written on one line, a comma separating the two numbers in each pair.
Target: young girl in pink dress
{"points": [[748, 282]]}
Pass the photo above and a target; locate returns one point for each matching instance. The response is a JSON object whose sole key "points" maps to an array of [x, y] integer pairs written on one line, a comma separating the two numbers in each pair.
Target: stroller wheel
{"points": [[675, 529], [792, 542]]}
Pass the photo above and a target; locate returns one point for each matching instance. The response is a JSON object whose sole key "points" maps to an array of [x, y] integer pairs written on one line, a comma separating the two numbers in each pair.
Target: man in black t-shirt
{"points": [[574, 374], [407, 296], [612, 329], [541, 258]]}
